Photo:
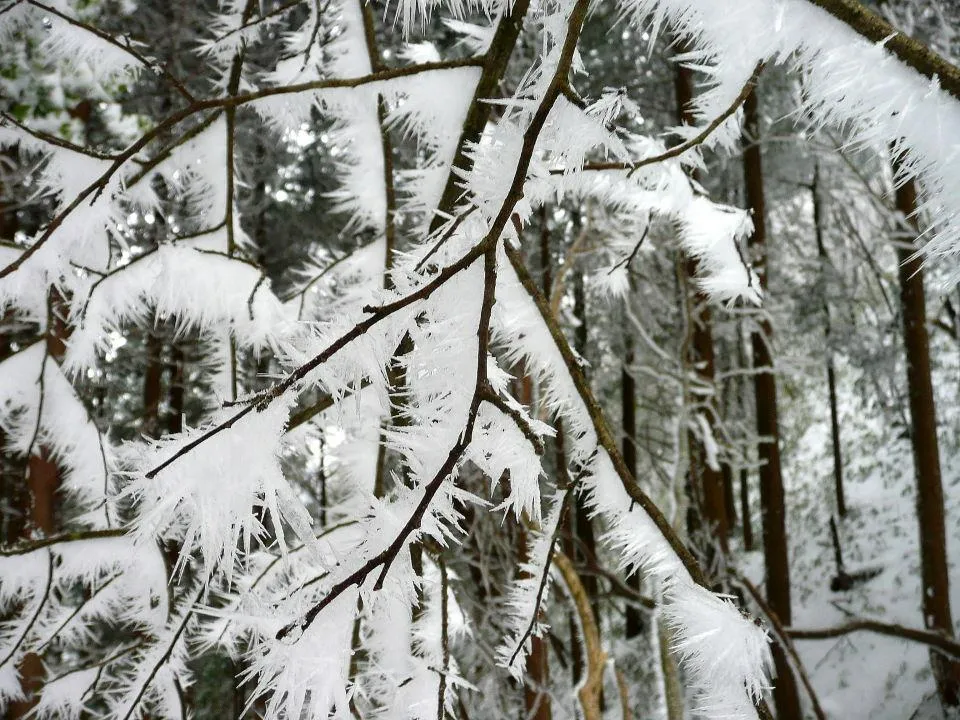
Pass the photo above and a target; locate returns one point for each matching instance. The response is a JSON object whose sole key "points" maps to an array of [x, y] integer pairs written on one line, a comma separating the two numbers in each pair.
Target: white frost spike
{"points": [[525, 597], [63, 698], [574, 133], [147, 678], [62, 40], [64, 426], [306, 676], [205, 498], [499, 446], [848, 82], [724, 653], [711, 233], [199, 289]]}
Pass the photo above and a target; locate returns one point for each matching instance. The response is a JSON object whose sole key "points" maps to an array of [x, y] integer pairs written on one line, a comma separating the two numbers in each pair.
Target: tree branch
{"points": [[385, 558], [592, 684], [783, 639], [910, 52], [683, 147], [947, 645], [605, 438], [150, 65]]}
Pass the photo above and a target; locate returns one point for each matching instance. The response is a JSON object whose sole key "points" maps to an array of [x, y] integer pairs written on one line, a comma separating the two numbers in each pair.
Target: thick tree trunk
{"points": [[706, 481], [152, 387], [587, 541], [43, 482], [741, 390], [536, 695], [177, 391], [745, 509], [772, 502], [827, 332], [635, 625], [926, 452]]}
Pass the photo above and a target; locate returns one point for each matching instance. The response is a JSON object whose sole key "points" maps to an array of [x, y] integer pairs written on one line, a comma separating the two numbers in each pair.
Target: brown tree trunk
{"points": [[628, 403], [745, 510], [587, 542], [43, 482], [772, 501], [741, 390], [152, 387], [827, 332], [706, 481], [536, 695], [926, 452], [177, 389]]}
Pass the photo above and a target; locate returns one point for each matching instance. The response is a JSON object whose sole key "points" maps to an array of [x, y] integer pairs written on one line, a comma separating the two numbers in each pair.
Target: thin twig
{"points": [[150, 65], [937, 640], [543, 580], [783, 639], [683, 147]]}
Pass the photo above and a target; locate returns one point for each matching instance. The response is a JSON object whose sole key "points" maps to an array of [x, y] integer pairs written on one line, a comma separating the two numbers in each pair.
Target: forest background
{"points": [[698, 272]]}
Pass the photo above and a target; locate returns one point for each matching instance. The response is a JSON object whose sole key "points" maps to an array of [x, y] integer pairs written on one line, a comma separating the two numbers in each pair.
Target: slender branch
{"points": [[454, 226], [97, 186], [53, 139], [941, 642], [592, 684], [29, 547], [543, 580], [444, 640], [636, 248], [605, 437], [491, 396], [325, 402], [261, 400], [683, 147], [260, 19], [76, 612], [783, 639], [385, 558], [36, 613], [150, 65], [187, 613]]}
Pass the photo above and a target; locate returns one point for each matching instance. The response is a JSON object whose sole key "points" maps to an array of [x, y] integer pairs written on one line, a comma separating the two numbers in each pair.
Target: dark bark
{"points": [[586, 550], [152, 384], [177, 389], [706, 482], [729, 499], [926, 452], [772, 500], [494, 67], [536, 689], [43, 483], [827, 332], [741, 390], [635, 624], [745, 509]]}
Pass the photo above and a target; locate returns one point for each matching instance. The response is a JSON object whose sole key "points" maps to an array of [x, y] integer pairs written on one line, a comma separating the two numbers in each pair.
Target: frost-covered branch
{"points": [[699, 139], [386, 557], [909, 51], [127, 47]]}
